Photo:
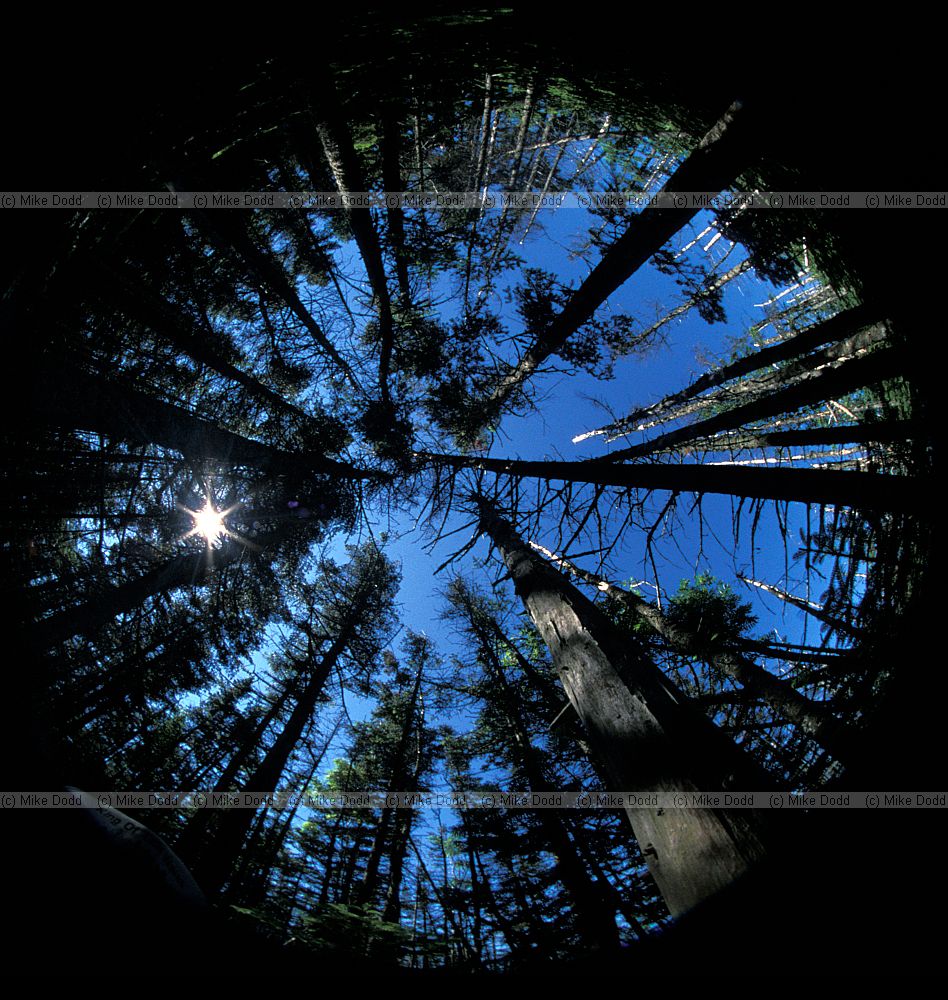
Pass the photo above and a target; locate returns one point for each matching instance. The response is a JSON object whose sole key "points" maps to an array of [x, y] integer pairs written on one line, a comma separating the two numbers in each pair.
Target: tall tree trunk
{"points": [[328, 870], [477, 907], [392, 181], [343, 161], [526, 114], [450, 917], [347, 887], [818, 386], [365, 894], [516, 939], [224, 850], [526, 910], [256, 891], [716, 282], [615, 899], [812, 717], [236, 823], [861, 490], [894, 430], [396, 866], [477, 180], [399, 772], [226, 230], [839, 327], [649, 737], [87, 618], [837, 624], [116, 284], [188, 844], [712, 166], [546, 187], [594, 919], [70, 398], [794, 373]]}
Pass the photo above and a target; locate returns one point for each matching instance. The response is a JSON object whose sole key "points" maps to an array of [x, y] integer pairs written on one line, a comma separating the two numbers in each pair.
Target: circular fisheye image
{"points": [[469, 511]]}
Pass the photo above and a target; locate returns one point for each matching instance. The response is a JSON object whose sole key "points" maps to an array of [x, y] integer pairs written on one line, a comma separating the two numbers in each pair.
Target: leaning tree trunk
{"points": [[814, 718], [648, 736], [117, 285], [712, 166], [227, 231], [716, 282], [861, 490], [235, 825], [223, 851], [817, 612], [76, 400], [839, 327], [187, 845], [87, 618], [594, 917], [190, 570], [347, 173], [817, 387], [857, 434], [767, 385]]}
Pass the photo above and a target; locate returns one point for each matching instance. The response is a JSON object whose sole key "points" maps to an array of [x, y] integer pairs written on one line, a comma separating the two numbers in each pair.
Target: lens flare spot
{"points": [[208, 523]]}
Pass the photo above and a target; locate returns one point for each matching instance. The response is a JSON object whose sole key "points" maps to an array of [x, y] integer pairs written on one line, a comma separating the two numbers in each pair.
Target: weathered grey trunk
{"points": [[595, 919], [814, 718], [816, 611], [648, 735], [895, 430], [832, 330], [816, 387], [714, 283], [768, 384]]}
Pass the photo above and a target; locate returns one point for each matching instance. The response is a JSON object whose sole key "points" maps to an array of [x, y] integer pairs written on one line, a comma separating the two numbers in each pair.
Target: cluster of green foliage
{"points": [[711, 612]]}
